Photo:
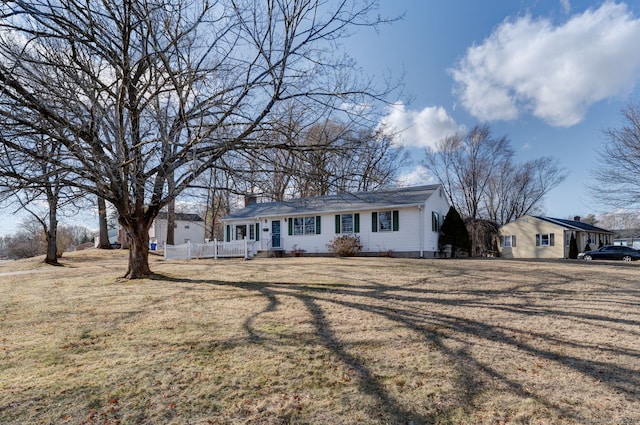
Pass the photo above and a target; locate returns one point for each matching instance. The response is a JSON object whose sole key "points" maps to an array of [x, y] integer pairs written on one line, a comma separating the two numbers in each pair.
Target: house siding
{"points": [[527, 227], [194, 232]]}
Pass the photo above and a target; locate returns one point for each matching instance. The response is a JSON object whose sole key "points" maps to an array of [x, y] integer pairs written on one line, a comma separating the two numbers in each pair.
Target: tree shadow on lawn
{"points": [[407, 306]]}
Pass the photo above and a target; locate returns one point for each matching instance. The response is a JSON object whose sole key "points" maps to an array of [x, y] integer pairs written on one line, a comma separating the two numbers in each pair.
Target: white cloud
{"points": [[416, 177], [566, 6], [554, 72], [419, 128]]}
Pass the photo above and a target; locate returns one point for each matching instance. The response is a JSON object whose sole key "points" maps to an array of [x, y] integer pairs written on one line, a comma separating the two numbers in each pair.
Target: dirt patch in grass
{"points": [[320, 340]]}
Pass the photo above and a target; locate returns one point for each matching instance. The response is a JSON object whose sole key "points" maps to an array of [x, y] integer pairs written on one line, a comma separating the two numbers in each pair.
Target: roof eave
{"points": [[328, 211]]}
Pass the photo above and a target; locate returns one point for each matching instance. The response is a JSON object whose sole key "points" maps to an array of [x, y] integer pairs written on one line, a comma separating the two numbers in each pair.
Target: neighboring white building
{"points": [[404, 221], [187, 227], [627, 237]]}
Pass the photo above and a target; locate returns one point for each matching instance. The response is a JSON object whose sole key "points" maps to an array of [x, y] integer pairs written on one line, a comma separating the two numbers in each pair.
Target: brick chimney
{"points": [[250, 199], [576, 218]]}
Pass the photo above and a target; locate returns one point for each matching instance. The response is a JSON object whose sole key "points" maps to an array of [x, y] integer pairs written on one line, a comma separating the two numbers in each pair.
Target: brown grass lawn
{"points": [[320, 340]]}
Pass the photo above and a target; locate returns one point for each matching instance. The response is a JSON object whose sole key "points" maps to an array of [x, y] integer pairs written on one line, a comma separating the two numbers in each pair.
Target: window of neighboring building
{"points": [[508, 241], [385, 221], [545, 239], [252, 232], [348, 223], [435, 221], [304, 225]]}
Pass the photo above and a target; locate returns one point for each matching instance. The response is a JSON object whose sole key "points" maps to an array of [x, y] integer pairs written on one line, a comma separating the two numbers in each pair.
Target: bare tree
{"points": [[465, 164], [622, 219], [483, 182], [27, 242], [518, 189], [37, 186], [332, 157], [618, 168], [98, 77]]}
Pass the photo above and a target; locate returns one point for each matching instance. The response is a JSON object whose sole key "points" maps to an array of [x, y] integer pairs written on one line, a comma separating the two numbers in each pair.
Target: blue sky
{"points": [[551, 75]]}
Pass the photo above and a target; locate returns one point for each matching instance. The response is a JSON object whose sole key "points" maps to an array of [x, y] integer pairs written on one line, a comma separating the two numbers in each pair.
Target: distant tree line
{"points": [[30, 240]]}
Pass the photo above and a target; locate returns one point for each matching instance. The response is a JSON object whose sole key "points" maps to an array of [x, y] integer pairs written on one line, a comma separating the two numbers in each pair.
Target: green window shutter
{"points": [[513, 241], [374, 222], [396, 220], [257, 232], [318, 225], [551, 239], [356, 223], [537, 239], [228, 233], [290, 220], [337, 223]]}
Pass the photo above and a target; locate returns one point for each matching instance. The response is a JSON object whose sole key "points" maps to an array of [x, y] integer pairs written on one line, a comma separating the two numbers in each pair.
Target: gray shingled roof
{"points": [[388, 198], [180, 216], [574, 225]]}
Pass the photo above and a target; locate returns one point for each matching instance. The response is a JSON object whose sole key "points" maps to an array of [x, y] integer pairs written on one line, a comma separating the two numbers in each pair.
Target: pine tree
{"points": [[573, 247], [454, 232]]}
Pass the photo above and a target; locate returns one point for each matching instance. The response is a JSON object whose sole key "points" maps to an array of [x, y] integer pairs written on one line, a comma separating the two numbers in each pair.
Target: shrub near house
{"points": [[345, 246]]}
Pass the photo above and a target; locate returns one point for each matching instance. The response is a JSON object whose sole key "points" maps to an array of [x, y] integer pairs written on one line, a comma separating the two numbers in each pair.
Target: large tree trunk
{"points": [[52, 233], [171, 222], [138, 235], [103, 242]]}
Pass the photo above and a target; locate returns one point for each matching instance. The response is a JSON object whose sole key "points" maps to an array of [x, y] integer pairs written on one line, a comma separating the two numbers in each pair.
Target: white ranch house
{"points": [[402, 221]]}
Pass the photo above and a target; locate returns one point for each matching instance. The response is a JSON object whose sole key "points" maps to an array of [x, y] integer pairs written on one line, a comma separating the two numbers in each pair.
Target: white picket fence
{"points": [[213, 249]]}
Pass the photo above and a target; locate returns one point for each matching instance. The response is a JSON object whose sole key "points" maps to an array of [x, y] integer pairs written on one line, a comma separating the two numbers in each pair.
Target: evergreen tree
{"points": [[454, 232], [573, 247]]}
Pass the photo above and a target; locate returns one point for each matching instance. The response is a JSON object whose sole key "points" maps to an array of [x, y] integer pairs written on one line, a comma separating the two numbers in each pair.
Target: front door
{"points": [[275, 234]]}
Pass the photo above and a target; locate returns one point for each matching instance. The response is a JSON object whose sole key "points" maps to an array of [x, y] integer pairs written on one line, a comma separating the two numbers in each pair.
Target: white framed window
{"points": [[241, 232], [298, 226], [384, 221], [508, 241], [304, 225], [435, 221], [346, 223], [545, 239], [309, 225]]}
